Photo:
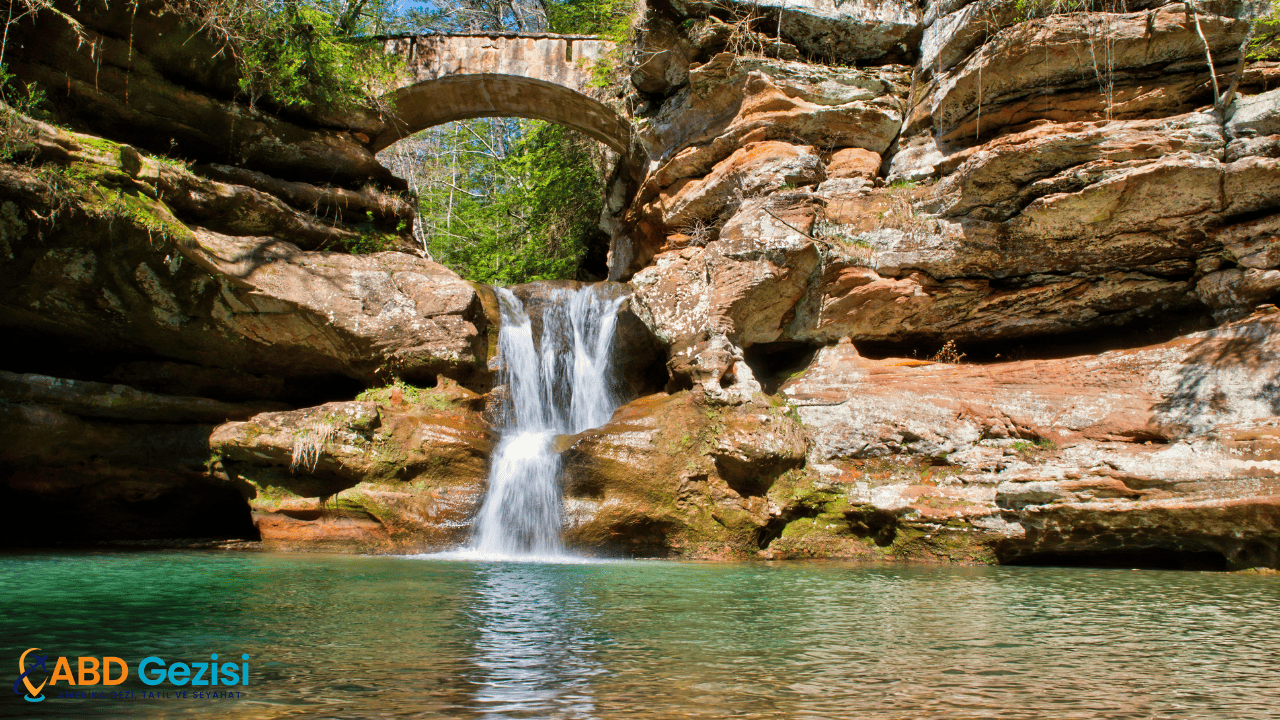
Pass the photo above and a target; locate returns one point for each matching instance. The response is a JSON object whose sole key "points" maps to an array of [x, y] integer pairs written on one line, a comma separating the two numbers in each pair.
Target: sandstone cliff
{"points": [[210, 254], [990, 178], [958, 282]]}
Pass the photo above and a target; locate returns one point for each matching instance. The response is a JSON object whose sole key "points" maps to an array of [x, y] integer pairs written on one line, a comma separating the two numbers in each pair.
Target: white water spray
{"points": [[559, 386]]}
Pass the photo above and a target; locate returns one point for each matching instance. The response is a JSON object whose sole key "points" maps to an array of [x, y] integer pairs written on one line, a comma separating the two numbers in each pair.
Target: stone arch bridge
{"points": [[539, 76]]}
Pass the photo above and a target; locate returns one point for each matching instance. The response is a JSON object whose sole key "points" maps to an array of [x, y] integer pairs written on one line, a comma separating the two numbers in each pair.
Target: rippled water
{"points": [[358, 637]]}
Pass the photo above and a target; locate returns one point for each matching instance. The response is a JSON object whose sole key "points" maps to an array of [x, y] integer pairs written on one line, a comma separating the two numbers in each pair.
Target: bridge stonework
{"points": [[545, 77]]}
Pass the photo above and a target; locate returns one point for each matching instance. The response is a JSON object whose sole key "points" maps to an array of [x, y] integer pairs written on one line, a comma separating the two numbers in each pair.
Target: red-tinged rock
{"points": [[854, 163], [1167, 452], [672, 475], [362, 476]]}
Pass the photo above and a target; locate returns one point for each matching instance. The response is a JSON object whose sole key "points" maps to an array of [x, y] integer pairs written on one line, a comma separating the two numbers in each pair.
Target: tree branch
{"points": [[1213, 74]]}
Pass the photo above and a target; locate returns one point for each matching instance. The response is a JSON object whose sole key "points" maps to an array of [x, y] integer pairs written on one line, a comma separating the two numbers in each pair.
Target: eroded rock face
{"points": [[116, 262], [399, 475], [1167, 448], [742, 285], [744, 127], [1043, 53], [671, 475], [662, 61], [756, 169], [1017, 199], [91, 462], [675, 475], [141, 77], [835, 32]]}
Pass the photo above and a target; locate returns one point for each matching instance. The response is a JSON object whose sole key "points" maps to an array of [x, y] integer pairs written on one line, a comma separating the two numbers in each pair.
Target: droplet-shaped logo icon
{"points": [[24, 677]]}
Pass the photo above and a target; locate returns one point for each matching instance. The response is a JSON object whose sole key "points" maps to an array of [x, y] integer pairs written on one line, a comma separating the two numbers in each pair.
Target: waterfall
{"points": [[561, 385]]}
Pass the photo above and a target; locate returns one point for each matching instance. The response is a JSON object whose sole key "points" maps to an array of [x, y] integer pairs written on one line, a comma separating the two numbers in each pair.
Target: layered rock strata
{"points": [[1167, 454], [142, 76], [211, 256], [394, 473], [1003, 188], [987, 177], [1033, 176]]}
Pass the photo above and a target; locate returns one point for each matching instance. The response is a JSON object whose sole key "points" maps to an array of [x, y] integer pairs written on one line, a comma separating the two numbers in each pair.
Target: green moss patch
{"points": [[419, 396]]}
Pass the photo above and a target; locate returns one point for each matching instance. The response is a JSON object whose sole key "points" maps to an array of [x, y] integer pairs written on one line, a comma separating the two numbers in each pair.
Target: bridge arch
{"points": [[459, 77]]}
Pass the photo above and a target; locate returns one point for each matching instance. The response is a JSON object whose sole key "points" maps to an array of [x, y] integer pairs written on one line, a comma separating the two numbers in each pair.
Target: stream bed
{"points": [[392, 637]]}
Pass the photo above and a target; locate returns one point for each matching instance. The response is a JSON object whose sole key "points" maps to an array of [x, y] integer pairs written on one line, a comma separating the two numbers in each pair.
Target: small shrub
{"points": [[948, 354], [298, 54], [16, 100], [1026, 446], [419, 396], [698, 232]]}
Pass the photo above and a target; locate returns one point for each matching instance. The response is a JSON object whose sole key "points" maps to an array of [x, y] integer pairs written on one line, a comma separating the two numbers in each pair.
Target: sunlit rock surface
{"points": [[122, 262], [1171, 444], [396, 475], [676, 475], [816, 197]]}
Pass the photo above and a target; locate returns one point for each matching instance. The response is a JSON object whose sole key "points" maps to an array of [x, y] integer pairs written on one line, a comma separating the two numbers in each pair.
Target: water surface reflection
{"points": [[341, 637], [535, 649]]}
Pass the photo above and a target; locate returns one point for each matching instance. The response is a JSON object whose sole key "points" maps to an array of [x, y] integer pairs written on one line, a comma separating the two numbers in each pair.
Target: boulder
{"points": [[743, 285], [755, 170], [1202, 519], [1238, 288], [1161, 393], [672, 476], [380, 311], [1255, 115], [404, 473], [1253, 243], [853, 163]]}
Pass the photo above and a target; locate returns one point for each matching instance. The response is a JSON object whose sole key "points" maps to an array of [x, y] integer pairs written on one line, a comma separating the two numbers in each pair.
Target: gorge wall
{"points": [[948, 282]]}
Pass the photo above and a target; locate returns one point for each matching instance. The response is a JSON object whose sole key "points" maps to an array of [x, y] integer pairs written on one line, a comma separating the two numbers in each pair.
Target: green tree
{"points": [[1265, 40], [608, 18], [301, 52], [504, 200]]}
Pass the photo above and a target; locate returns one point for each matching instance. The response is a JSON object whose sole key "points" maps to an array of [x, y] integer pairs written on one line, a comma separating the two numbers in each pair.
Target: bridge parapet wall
{"points": [[563, 60]]}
